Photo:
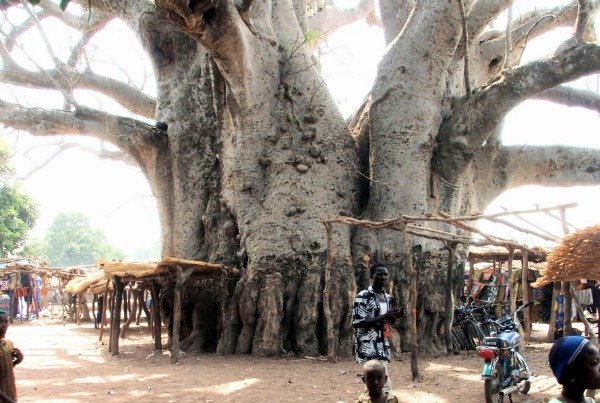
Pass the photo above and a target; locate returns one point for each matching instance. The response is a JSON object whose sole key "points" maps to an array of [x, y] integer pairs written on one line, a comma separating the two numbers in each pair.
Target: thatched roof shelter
{"points": [[500, 254], [140, 271], [577, 257]]}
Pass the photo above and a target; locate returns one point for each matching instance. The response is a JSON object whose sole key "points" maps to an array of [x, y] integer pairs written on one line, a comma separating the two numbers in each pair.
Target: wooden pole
{"points": [[104, 309], [331, 342], [471, 273], [568, 301], [115, 327], [526, 298], [412, 305], [512, 296], [449, 306], [588, 327], [552, 325], [156, 319], [176, 316]]}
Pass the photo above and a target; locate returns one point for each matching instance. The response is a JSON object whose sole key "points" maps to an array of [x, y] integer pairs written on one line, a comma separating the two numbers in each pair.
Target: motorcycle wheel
{"points": [[522, 365], [491, 387]]}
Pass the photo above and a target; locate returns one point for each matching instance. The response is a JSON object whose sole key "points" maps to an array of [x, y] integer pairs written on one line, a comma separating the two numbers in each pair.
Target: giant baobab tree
{"points": [[245, 149]]}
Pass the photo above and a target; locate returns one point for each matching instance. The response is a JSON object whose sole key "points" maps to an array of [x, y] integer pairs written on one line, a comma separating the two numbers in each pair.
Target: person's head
{"points": [[379, 276], [575, 363], [374, 376], [3, 323]]}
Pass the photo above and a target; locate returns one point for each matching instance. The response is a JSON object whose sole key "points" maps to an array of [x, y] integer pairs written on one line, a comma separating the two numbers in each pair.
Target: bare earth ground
{"points": [[66, 363]]}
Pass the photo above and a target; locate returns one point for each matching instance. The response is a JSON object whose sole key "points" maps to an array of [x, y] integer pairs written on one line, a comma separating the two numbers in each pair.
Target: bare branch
{"points": [[551, 166], [133, 99], [329, 19], [584, 28], [463, 134], [483, 13], [122, 132], [394, 14], [569, 96], [60, 148]]}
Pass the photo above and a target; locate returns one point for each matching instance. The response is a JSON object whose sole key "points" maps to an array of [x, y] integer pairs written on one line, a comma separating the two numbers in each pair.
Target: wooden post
{"points": [[471, 273], [176, 316], [552, 325], [511, 295], [331, 342], [115, 326], [412, 304], [132, 293], [588, 327], [105, 303], [568, 301], [451, 247], [526, 299], [156, 319]]}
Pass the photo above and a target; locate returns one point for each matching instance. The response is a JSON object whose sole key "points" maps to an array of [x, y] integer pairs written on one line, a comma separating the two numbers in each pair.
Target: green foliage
{"points": [[71, 241], [17, 216], [311, 36], [18, 212], [6, 169]]}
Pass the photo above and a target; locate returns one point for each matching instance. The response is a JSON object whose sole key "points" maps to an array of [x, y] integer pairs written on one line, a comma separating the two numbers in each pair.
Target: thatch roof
{"points": [[577, 257], [500, 254], [140, 271], [29, 265]]}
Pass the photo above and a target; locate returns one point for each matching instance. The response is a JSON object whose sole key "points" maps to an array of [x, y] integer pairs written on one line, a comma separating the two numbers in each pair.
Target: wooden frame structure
{"points": [[113, 277], [424, 227]]}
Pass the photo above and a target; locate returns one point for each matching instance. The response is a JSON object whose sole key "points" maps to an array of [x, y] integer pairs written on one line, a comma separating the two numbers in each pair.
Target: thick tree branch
{"points": [[131, 98], [571, 97], [552, 166], [529, 26], [330, 18], [124, 133], [472, 122], [483, 13], [394, 14], [584, 28]]}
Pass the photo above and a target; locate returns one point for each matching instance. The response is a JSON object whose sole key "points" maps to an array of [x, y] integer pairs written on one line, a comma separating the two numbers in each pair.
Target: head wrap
{"points": [[563, 352], [1, 312]]}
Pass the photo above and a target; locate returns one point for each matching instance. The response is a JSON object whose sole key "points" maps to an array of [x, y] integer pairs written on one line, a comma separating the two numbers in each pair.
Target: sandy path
{"points": [[66, 363]]}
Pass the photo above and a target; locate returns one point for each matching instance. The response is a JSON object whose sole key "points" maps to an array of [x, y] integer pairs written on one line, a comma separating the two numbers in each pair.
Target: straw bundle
{"points": [[121, 269], [99, 286], [577, 257], [80, 284]]}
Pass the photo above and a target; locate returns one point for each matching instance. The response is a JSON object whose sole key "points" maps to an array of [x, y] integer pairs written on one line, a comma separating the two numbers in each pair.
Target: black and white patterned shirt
{"points": [[369, 343]]}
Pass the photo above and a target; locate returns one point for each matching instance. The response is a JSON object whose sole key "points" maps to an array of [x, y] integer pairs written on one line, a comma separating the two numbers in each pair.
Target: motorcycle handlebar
{"points": [[524, 306]]}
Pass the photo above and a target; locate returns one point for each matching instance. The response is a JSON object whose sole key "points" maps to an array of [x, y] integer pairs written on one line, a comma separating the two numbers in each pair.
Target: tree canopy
{"points": [[18, 211], [72, 241]]}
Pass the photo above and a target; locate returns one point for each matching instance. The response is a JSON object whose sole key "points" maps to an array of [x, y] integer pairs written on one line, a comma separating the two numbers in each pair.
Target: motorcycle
{"points": [[504, 370]]}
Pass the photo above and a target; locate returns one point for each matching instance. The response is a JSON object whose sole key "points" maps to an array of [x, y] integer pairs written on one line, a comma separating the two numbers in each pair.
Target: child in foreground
{"points": [[374, 378], [9, 357], [575, 362]]}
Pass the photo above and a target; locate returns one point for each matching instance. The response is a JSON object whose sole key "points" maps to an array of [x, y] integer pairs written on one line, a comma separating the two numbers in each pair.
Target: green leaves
{"points": [[17, 216], [71, 241]]}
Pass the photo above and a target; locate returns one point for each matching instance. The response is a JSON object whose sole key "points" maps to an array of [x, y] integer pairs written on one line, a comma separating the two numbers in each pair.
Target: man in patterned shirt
{"points": [[373, 315]]}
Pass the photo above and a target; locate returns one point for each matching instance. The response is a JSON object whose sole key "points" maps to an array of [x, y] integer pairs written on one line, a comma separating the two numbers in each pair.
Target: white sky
{"points": [[115, 196]]}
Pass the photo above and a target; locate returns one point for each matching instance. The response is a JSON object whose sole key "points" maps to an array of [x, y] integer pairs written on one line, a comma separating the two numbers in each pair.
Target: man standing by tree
{"points": [[373, 316]]}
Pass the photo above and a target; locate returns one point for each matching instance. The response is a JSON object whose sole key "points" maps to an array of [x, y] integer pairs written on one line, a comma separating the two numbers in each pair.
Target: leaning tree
{"points": [[245, 150]]}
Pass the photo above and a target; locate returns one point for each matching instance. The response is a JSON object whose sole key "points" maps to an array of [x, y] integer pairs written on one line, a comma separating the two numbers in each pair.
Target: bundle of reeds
{"points": [[80, 284], [134, 269], [577, 257]]}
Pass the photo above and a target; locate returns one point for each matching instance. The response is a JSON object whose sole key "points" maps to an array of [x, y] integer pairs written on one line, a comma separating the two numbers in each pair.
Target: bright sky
{"points": [[116, 196]]}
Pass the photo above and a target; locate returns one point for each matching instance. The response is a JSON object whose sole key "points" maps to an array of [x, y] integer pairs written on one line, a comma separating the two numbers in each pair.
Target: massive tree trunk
{"points": [[249, 150]]}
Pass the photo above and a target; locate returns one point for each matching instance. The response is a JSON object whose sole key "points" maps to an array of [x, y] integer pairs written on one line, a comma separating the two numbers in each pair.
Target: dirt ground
{"points": [[67, 363]]}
